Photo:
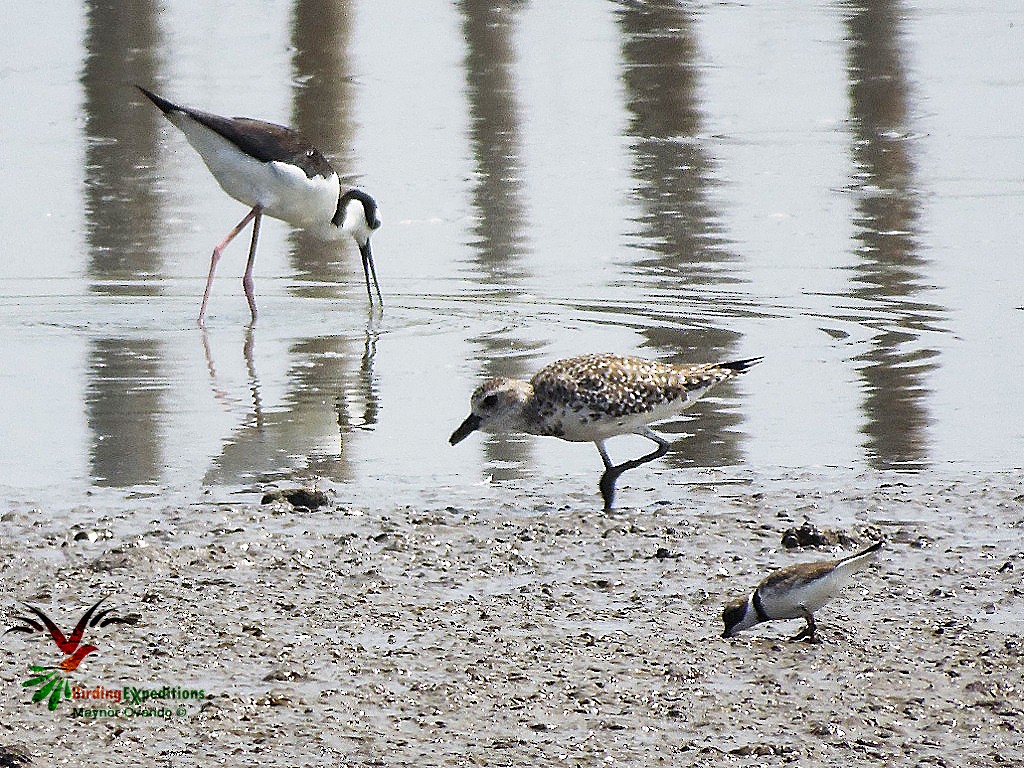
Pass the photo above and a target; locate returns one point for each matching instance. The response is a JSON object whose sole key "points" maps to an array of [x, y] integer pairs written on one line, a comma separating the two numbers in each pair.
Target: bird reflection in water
{"points": [[326, 395]]}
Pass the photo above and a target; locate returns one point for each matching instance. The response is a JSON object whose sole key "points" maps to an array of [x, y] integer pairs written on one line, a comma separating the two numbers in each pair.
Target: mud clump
{"points": [[305, 498]]}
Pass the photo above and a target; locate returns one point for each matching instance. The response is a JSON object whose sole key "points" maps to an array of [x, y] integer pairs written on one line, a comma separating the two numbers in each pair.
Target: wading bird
{"points": [[276, 172], [591, 398]]}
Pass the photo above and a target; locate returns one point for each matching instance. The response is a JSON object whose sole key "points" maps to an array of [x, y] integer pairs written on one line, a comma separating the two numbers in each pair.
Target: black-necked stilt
{"points": [[795, 592], [591, 398], [276, 171]]}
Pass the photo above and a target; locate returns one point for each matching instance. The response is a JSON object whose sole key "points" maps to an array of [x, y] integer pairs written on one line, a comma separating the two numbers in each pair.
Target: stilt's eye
{"points": [[490, 401]]}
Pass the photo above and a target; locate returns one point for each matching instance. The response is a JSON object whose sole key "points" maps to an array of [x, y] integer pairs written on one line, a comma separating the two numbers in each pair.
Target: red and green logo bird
{"points": [[50, 679]]}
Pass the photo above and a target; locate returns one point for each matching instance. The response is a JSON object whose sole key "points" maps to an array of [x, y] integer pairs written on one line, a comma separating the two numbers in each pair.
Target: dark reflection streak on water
{"points": [[122, 233], [322, 112], [889, 270], [679, 227], [495, 141], [122, 401], [497, 197], [678, 223], [123, 210]]}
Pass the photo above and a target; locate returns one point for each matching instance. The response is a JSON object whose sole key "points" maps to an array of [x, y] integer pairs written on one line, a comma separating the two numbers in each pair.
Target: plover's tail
{"points": [[741, 366], [859, 560]]}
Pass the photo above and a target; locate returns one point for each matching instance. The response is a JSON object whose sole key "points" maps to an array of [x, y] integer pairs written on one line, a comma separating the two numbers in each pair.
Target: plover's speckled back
{"points": [[590, 398], [794, 592]]}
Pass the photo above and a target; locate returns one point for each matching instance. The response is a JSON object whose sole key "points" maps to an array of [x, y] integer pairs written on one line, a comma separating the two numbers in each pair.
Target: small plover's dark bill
{"points": [[591, 398], [795, 592], [276, 172]]}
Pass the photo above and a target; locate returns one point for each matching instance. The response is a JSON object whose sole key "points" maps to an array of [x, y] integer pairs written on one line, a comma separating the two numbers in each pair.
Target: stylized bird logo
{"points": [[52, 683]]}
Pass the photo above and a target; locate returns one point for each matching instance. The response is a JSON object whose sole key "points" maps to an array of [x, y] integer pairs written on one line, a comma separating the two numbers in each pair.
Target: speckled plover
{"points": [[273, 169], [794, 592], [591, 398]]}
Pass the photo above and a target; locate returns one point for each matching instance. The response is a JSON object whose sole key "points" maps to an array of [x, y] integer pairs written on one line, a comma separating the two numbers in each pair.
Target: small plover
{"points": [[795, 592], [278, 173], [590, 398]]}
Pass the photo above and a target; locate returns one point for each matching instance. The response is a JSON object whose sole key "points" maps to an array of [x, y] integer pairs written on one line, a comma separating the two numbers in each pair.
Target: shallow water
{"points": [[832, 186]]}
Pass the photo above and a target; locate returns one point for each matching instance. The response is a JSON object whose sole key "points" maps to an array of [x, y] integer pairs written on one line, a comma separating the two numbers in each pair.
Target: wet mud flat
{"points": [[519, 625]]}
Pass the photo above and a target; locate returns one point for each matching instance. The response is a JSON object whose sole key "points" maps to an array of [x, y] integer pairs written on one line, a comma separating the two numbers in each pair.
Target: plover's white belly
{"points": [[790, 602], [580, 422]]}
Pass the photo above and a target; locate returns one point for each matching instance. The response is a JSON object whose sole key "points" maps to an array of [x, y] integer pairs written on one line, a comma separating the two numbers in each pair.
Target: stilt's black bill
{"points": [[368, 271]]}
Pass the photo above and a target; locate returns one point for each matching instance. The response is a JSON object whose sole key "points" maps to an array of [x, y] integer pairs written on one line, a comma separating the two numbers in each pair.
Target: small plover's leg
{"points": [[807, 633], [612, 472]]}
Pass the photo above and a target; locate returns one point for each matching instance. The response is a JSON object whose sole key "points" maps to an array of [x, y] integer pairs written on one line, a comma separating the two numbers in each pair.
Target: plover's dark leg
{"points": [[612, 472], [807, 633], [217, 252], [607, 484]]}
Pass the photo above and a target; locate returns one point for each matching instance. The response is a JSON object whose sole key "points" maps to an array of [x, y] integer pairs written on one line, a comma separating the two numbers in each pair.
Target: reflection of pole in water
{"points": [[494, 140], [321, 111], [122, 402], [499, 242], [122, 205], [889, 269], [679, 226]]}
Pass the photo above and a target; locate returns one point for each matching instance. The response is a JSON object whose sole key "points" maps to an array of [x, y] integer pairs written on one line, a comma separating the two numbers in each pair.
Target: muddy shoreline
{"points": [[472, 629]]}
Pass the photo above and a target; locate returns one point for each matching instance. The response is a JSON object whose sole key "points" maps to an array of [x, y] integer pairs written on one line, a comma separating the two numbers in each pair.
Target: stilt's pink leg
{"points": [[247, 282], [255, 212]]}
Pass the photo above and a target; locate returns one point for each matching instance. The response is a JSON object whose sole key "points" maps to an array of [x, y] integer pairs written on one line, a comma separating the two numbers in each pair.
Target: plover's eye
{"points": [[490, 401]]}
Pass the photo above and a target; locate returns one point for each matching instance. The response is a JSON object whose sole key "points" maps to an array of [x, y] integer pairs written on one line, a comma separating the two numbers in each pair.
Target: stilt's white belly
{"points": [[283, 191]]}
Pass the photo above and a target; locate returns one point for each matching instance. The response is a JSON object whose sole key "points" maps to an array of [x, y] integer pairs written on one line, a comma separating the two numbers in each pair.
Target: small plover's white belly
{"points": [[791, 602]]}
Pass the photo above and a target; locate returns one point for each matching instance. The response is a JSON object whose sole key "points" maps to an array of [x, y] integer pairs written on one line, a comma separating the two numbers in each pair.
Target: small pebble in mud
{"points": [[807, 535], [297, 497], [663, 554]]}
